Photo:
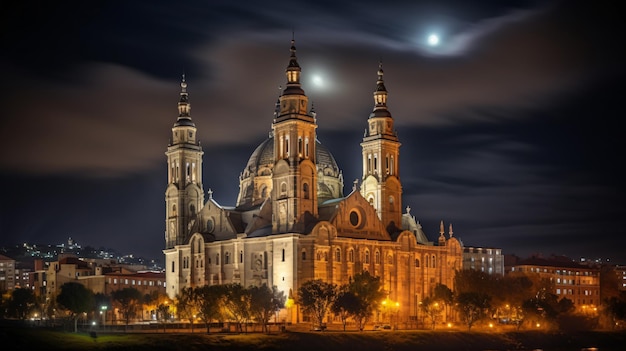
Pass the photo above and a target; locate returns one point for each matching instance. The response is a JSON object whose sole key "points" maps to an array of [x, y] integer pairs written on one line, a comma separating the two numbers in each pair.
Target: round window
{"points": [[210, 225], [354, 218]]}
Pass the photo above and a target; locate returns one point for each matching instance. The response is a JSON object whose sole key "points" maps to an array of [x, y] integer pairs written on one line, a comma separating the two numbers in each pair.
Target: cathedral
{"points": [[292, 221]]}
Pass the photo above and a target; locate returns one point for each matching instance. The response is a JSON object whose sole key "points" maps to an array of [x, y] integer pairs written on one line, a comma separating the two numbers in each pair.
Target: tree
{"points": [[128, 299], [77, 299], [471, 280], [614, 309], [369, 292], [237, 304], [315, 297], [209, 302], [472, 306], [345, 305], [432, 308], [186, 305], [444, 296], [264, 303], [21, 302]]}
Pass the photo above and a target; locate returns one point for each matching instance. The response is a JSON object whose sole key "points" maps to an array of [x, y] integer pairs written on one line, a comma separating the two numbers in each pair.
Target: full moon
{"points": [[433, 40], [317, 80]]}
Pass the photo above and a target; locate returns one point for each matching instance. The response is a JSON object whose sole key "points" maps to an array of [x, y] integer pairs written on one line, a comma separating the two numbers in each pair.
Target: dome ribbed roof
{"points": [[261, 163], [263, 155]]}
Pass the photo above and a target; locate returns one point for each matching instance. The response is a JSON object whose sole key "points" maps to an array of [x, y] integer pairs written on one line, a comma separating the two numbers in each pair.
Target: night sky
{"points": [[510, 127]]}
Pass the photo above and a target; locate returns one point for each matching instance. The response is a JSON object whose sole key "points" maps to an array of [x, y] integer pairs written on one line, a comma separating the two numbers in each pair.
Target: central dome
{"points": [[255, 182]]}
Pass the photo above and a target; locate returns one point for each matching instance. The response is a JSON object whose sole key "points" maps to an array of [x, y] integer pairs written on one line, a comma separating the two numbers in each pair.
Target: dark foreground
{"points": [[25, 338]]}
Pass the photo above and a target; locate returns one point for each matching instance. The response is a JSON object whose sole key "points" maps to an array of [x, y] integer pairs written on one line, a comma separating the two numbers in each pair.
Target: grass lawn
{"points": [[32, 338]]}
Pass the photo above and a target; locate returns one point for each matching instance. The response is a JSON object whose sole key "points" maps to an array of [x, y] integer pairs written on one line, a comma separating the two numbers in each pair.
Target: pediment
{"points": [[354, 217]]}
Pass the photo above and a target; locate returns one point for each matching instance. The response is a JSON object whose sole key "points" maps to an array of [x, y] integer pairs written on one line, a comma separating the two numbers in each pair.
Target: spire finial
{"points": [[450, 231], [441, 228], [183, 84]]}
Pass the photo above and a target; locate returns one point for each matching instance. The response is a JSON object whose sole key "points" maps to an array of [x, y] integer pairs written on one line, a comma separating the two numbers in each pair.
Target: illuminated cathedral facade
{"points": [[292, 222]]}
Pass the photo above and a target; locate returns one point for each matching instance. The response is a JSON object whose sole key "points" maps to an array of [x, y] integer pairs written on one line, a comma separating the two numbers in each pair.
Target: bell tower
{"points": [[184, 196], [294, 189], [381, 150]]}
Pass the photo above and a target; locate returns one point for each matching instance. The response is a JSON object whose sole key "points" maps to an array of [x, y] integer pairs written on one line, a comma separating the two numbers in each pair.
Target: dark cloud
{"points": [[509, 128]]}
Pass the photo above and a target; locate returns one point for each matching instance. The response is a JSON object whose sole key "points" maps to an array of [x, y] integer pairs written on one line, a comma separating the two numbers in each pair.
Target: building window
{"points": [[367, 256], [240, 256], [417, 263], [377, 257], [227, 258], [338, 255], [283, 259], [217, 259], [351, 256], [434, 262], [306, 147], [172, 266], [305, 190]]}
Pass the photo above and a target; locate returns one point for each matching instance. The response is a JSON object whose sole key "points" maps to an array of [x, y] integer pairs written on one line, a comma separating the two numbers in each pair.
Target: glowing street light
{"points": [[103, 313]]}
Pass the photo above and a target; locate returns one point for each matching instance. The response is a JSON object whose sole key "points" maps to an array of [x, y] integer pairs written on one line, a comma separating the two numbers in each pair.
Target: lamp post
{"points": [[397, 305], [103, 313]]}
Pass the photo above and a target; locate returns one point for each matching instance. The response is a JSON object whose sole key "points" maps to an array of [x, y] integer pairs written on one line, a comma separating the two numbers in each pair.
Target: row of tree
{"points": [[514, 298]]}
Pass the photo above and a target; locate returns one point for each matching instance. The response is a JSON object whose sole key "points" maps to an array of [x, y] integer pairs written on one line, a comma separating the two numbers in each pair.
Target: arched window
{"points": [[217, 259], [367, 256], [283, 255], [377, 257], [326, 256], [283, 188], [351, 256], [434, 262], [240, 256], [338, 254], [427, 261], [305, 190], [417, 263], [319, 255], [227, 258], [303, 255], [389, 259]]}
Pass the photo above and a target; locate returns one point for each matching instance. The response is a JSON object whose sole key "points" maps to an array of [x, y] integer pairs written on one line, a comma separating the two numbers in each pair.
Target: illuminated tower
{"points": [[294, 188], [381, 180], [184, 196]]}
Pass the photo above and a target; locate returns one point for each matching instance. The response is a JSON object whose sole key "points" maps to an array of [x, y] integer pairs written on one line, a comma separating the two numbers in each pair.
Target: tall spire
{"points": [[380, 95], [184, 107], [293, 73]]}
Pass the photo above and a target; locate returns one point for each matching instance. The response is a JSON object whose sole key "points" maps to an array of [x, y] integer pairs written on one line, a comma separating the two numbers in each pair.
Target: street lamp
{"points": [[397, 314], [103, 313]]}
